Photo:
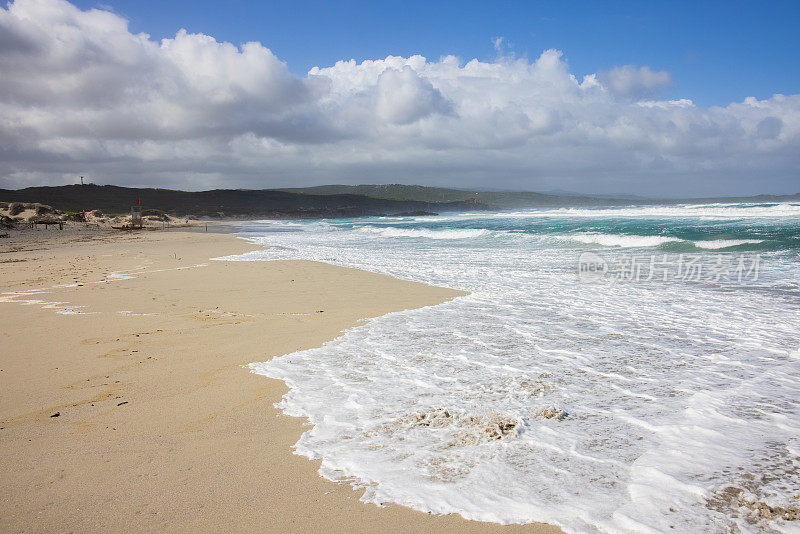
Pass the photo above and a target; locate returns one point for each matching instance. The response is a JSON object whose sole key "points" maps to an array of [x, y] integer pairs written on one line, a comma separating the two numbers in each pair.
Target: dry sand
{"points": [[159, 426]]}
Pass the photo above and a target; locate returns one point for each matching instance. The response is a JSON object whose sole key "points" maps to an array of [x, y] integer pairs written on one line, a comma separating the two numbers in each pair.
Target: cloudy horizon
{"points": [[83, 95]]}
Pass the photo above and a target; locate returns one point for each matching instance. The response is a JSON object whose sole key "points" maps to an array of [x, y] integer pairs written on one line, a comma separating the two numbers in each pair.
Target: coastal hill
{"points": [[224, 202], [494, 199], [514, 199], [328, 201]]}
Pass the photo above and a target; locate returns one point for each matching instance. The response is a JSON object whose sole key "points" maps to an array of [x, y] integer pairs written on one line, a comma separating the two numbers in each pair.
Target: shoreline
{"points": [[159, 426]]}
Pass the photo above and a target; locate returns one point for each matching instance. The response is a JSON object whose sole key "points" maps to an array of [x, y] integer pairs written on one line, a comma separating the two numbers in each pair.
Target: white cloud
{"points": [[81, 95], [403, 97], [497, 42], [630, 81]]}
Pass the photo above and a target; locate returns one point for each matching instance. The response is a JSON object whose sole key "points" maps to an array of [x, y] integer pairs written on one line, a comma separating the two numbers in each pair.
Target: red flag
{"points": [[137, 201]]}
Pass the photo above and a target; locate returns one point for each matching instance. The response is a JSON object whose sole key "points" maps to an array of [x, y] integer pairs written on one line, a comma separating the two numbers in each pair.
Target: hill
{"points": [[223, 202], [514, 200], [327, 201], [494, 199]]}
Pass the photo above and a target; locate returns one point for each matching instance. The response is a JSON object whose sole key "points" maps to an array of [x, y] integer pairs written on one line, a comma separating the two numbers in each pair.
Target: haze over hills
{"points": [[321, 202]]}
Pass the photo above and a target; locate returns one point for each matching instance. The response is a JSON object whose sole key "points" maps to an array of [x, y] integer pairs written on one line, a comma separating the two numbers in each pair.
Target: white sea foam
{"points": [[725, 243], [702, 211], [600, 407], [390, 231], [629, 241], [620, 240]]}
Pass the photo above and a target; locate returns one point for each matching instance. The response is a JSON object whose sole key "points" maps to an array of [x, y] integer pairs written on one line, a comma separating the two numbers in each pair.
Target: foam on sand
{"points": [[600, 407]]}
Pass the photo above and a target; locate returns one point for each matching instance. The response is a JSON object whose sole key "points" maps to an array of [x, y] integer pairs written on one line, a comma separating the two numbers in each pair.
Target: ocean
{"points": [[611, 370]]}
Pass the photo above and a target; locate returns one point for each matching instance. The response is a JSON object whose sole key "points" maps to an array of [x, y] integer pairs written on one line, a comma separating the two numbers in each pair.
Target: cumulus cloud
{"points": [[82, 95], [403, 97], [630, 81]]}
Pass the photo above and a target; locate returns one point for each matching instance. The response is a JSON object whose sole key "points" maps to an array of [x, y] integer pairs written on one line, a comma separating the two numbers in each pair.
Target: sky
{"points": [[659, 99], [717, 52]]}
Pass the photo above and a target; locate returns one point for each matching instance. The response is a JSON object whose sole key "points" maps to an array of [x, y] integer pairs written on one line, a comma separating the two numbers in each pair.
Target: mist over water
{"points": [[646, 403]]}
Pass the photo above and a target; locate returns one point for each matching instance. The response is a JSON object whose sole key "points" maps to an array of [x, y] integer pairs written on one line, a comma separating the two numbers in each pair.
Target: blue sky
{"points": [[717, 52], [660, 99]]}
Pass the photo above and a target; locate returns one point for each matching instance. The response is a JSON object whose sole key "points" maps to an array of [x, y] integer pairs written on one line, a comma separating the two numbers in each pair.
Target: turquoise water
{"points": [[661, 394]]}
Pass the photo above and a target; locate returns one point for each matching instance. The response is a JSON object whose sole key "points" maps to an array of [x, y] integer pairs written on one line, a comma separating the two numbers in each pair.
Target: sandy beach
{"points": [[124, 403]]}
